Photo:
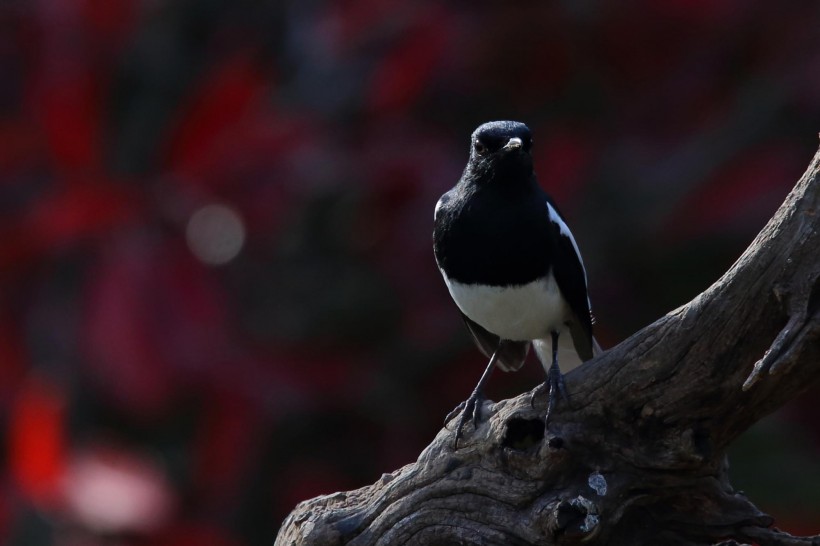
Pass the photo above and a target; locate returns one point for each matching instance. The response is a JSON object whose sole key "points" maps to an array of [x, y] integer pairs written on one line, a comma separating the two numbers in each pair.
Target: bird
{"points": [[511, 264]]}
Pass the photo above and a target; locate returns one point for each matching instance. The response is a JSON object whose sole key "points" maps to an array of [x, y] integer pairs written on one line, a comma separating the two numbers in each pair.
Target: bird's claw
{"points": [[455, 411], [470, 409], [554, 383], [557, 387]]}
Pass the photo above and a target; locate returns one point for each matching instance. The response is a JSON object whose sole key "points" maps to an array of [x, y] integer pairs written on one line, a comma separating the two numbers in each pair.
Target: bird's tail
{"points": [[568, 356]]}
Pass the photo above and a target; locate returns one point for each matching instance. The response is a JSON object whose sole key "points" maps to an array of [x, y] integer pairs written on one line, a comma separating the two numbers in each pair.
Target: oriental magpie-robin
{"points": [[511, 263]]}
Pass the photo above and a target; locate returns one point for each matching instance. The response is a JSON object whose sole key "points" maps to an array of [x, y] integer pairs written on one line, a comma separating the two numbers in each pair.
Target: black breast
{"points": [[494, 237]]}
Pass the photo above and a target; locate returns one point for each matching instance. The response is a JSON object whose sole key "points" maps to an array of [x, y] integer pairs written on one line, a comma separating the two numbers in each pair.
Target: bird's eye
{"points": [[479, 147]]}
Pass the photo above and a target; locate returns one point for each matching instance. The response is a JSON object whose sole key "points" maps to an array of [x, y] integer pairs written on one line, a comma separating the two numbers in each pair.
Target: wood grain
{"points": [[639, 457]]}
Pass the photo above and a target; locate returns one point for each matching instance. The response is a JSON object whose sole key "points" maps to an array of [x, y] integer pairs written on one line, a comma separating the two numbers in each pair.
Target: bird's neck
{"points": [[504, 182]]}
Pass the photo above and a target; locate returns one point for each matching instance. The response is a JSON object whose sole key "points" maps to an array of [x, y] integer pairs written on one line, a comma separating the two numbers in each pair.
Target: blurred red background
{"points": [[217, 289]]}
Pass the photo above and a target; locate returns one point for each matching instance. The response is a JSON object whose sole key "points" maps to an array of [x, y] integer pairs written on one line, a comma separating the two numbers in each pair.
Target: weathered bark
{"points": [[639, 457]]}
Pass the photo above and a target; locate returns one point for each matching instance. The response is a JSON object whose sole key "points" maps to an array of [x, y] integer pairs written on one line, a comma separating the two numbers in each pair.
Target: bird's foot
{"points": [[552, 384], [470, 409], [557, 388]]}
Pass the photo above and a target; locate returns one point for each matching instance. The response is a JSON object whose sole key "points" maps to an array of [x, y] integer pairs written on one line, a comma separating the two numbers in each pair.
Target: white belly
{"points": [[519, 313]]}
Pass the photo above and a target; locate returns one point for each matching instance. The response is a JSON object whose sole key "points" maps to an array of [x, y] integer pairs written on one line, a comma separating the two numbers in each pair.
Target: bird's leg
{"points": [[555, 381], [472, 406], [553, 384]]}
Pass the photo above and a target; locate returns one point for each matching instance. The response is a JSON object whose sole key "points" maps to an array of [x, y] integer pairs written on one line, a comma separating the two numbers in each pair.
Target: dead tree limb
{"points": [[639, 458]]}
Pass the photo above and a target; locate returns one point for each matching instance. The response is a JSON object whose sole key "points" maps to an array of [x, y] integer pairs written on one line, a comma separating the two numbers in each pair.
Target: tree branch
{"points": [[640, 456]]}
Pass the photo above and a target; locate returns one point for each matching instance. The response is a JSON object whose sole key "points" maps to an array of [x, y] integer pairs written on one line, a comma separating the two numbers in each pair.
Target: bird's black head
{"points": [[500, 150]]}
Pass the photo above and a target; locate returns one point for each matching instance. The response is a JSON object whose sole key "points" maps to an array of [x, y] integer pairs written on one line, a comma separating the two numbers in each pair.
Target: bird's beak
{"points": [[513, 144]]}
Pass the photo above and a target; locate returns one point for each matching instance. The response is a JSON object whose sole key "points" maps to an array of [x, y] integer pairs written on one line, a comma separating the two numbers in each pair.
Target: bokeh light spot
{"points": [[215, 234]]}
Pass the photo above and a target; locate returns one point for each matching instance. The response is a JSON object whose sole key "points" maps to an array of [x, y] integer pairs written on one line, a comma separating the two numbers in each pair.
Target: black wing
{"points": [[569, 272], [513, 353]]}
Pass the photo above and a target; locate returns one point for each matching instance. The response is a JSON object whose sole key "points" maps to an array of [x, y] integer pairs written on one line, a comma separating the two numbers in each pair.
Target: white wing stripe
{"points": [[564, 228]]}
